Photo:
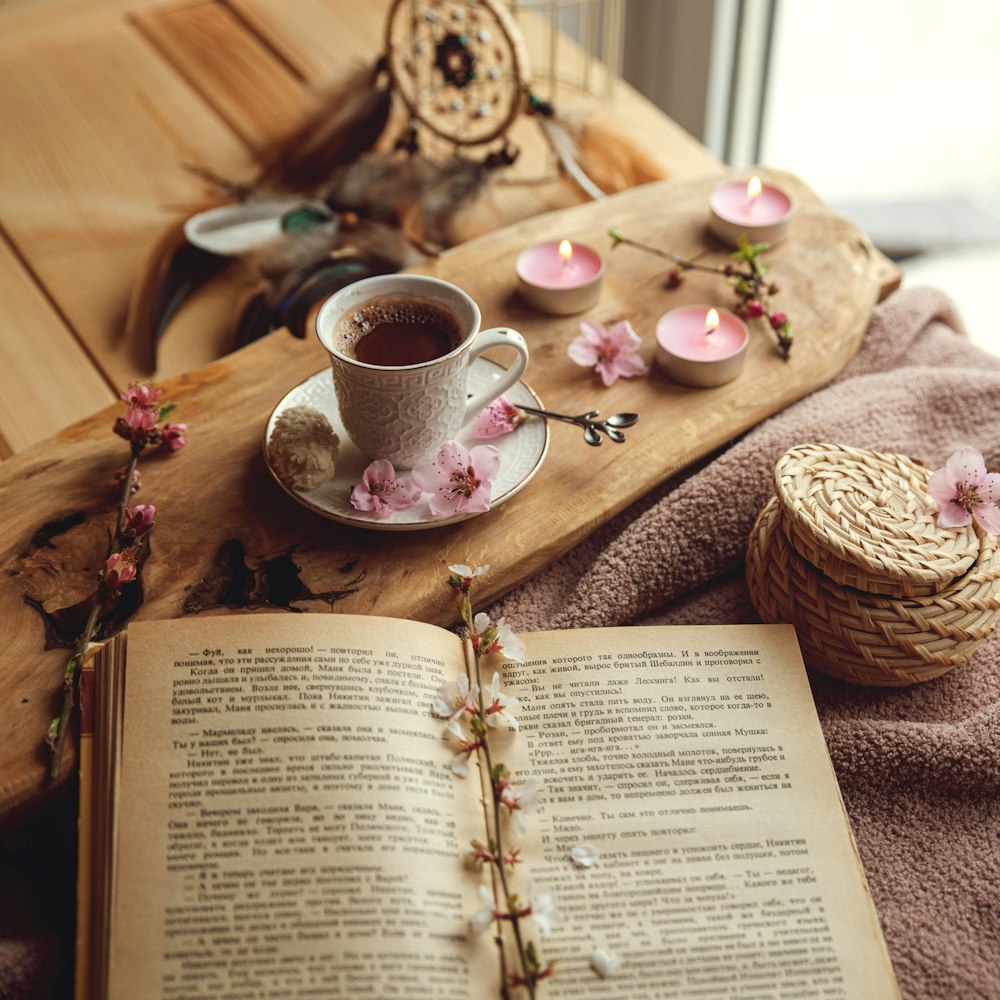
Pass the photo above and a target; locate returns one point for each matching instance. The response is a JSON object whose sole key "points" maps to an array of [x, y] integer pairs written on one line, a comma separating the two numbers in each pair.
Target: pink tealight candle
{"points": [[701, 346], [761, 212], [560, 278]]}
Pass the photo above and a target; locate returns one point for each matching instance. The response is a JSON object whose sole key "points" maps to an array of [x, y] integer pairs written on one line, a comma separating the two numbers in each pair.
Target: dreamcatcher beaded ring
{"points": [[460, 68]]}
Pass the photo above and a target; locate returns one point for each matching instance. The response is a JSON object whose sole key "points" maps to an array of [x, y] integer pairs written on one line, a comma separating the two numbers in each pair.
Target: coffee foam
{"points": [[393, 309]]}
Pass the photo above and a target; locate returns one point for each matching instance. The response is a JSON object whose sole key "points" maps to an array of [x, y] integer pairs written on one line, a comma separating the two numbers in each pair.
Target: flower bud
{"points": [[119, 569], [140, 519], [755, 308], [778, 320], [121, 473], [173, 437]]}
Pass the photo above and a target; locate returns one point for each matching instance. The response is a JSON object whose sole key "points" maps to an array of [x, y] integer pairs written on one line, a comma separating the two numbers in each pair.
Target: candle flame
{"points": [[711, 320], [753, 189], [566, 251]]}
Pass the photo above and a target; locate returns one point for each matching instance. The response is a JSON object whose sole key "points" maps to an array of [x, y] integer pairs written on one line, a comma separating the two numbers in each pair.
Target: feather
{"points": [[255, 319], [381, 186], [172, 271], [303, 291], [428, 222], [295, 249], [349, 123], [564, 146], [608, 156], [385, 244]]}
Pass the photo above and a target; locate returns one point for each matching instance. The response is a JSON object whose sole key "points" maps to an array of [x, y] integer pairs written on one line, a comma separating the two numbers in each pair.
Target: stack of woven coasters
{"points": [[848, 550]]}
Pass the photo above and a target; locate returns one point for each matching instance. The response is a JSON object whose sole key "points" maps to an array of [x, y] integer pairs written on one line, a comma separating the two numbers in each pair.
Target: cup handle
{"points": [[496, 337]]}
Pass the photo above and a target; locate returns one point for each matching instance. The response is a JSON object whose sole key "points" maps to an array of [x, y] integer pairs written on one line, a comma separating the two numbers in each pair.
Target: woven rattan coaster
{"points": [[864, 518]]}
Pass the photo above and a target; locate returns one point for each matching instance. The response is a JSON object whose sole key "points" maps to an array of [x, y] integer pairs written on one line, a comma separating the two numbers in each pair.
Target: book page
{"points": [[693, 759], [288, 824]]}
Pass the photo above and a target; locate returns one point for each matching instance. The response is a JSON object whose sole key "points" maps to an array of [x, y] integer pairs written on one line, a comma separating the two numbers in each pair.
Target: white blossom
{"points": [[543, 909], [468, 572], [521, 800], [499, 705], [605, 963], [480, 920], [510, 645], [584, 855], [455, 698], [460, 765]]}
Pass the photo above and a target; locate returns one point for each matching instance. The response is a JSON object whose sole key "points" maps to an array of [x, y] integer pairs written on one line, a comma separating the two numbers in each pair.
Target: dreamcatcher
{"points": [[342, 199]]}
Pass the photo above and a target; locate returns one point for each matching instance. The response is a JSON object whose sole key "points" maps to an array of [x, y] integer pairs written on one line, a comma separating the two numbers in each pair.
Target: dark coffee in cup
{"points": [[398, 330]]}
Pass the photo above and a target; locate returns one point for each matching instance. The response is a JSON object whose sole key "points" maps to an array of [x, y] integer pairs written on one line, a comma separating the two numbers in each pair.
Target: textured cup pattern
{"points": [[403, 416]]}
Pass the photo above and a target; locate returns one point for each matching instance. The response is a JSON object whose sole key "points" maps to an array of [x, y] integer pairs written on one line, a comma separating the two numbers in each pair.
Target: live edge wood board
{"points": [[225, 530]]}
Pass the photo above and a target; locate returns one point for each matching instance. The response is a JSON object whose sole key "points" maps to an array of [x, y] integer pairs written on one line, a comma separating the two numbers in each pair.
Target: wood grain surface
{"points": [[106, 102], [221, 519]]}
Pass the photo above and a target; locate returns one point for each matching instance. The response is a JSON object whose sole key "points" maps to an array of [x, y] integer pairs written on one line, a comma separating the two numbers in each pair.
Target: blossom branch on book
{"points": [[141, 427], [483, 706]]}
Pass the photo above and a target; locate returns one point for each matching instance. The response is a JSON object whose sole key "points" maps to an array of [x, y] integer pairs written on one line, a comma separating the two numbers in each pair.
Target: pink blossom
{"points": [[459, 481], [610, 354], [498, 418], [141, 395], [119, 569], [140, 419], [964, 490], [381, 492], [174, 437], [139, 519]]}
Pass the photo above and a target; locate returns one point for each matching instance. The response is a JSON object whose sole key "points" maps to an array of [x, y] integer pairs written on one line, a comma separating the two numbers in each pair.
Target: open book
{"points": [[273, 815]]}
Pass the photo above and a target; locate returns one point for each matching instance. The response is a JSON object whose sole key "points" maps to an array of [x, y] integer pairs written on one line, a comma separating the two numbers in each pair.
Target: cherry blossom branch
{"points": [[749, 281], [141, 428], [498, 859], [486, 705]]}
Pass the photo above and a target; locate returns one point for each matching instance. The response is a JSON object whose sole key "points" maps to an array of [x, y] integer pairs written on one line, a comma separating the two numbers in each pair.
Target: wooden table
{"points": [[103, 101]]}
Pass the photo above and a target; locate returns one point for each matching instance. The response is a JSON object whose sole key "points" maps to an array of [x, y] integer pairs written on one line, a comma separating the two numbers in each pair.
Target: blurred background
{"points": [[887, 110]]}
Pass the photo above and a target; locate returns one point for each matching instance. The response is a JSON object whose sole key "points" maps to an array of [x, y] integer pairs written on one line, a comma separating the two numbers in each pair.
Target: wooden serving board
{"points": [[226, 532]]}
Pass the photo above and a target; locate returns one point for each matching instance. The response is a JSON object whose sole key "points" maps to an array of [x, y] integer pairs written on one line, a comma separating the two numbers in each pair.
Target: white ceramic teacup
{"points": [[404, 413]]}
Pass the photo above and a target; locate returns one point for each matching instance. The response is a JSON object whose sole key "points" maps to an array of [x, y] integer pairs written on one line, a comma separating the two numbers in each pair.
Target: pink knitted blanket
{"points": [[919, 767]]}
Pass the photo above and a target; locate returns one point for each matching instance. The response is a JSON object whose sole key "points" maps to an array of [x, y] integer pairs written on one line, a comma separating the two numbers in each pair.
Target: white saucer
{"points": [[521, 455]]}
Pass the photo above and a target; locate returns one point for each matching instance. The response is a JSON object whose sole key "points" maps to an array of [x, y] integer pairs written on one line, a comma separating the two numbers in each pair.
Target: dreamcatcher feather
{"points": [[347, 125], [332, 204]]}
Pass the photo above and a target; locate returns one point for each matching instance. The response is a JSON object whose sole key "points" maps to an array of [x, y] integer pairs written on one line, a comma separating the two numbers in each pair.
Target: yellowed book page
{"points": [[693, 759], [288, 823]]}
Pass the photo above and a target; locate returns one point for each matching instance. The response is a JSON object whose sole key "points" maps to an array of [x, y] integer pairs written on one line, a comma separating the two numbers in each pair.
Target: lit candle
{"points": [[560, 278], [761, 212], [699, 346]]}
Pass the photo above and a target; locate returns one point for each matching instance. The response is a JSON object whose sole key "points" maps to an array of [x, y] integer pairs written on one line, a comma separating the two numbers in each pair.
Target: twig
{"points": [[749, 283]]}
